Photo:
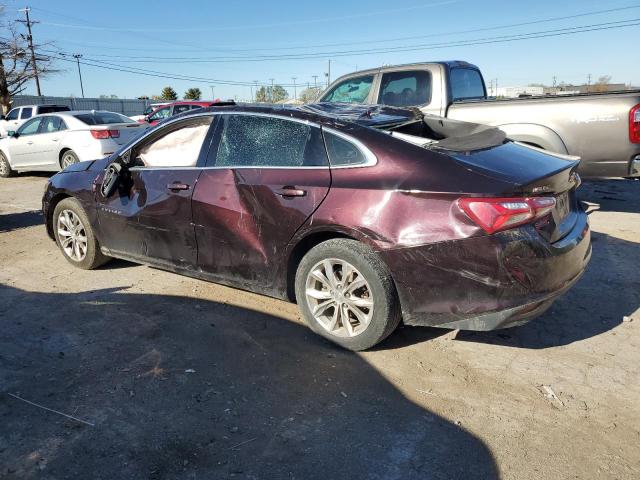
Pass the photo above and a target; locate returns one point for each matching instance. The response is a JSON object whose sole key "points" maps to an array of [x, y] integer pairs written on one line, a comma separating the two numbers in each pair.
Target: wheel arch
{"points": [[536, 135], [300, 248], [55, 200]]}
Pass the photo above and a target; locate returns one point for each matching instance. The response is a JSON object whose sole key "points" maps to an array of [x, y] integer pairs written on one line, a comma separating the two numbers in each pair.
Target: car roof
{"points": [[335, 115], [41, 105], [371, 71]]}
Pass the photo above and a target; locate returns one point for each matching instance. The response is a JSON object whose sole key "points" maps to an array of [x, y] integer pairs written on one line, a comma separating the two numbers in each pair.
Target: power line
{"points": [[504, 39], [367, 42], [404, 48]]}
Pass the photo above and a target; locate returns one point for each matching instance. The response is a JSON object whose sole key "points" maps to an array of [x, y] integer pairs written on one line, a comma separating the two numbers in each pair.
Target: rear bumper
{"points": [[489, 282]]}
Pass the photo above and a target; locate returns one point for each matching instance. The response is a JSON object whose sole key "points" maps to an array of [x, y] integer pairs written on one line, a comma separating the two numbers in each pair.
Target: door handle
{"points": [[288, 191], [29, 142], [55, 139], [178, 186]]}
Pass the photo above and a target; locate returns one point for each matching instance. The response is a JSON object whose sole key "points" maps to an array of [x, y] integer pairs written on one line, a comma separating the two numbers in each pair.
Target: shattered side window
{"points": [[256, 141], [342, 152], [353, 90]]}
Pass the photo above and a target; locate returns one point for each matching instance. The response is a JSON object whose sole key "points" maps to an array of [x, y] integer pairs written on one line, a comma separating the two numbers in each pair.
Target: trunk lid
{"points": [[532, 172], [127, 131]]}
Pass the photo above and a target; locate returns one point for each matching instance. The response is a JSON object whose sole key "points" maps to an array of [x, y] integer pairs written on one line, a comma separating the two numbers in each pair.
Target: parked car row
{"points": [[18, 115], [363, 215]]}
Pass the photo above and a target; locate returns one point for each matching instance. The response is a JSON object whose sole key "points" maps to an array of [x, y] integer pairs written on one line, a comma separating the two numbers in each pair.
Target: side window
{"points": [[181, 109], [177, 146], [30, 127], [343, 152], [13, 114], [353, 90], [160, 114], [402, 89], [26, 113], [466, 84], [257, 141], [195, 107], [52, 124]]}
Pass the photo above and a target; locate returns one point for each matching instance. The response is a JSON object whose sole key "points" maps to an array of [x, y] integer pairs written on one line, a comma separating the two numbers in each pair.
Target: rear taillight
{"points": [[495, 214], [104, 134], [634, 124]]}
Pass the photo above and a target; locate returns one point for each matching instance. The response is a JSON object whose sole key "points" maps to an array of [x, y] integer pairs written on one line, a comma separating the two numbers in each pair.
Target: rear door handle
{"points": [[288, 191], [55, 139], [178, 186], [29, 143]]}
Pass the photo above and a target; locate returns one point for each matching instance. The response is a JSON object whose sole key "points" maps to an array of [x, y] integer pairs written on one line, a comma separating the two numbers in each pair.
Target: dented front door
{"points": [[248, 205]]}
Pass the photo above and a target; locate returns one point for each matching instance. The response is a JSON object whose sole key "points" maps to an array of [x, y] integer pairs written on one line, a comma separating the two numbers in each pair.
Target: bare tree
{"points": [[602, 85], [16, 66]]}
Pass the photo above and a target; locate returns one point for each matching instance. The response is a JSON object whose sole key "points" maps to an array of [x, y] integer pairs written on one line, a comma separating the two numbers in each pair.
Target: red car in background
{"points": [[174, 108]]}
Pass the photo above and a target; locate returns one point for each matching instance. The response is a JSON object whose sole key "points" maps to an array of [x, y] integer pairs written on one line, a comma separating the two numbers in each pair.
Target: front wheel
{"points": [[346, 294], [5, 167], [68, 158], [75, 236]]}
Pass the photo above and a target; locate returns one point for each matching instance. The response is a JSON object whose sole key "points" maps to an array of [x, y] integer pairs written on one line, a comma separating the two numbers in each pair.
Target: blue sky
{"points": [[119, 33]]}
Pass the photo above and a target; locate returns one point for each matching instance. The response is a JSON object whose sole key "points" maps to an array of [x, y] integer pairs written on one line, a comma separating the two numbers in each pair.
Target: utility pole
{"points": [[329, 74], [271, 91], [256, 91], [28, 23], [588, 83], [213, 93], [295, 91], [315, 81], [78, 56]]}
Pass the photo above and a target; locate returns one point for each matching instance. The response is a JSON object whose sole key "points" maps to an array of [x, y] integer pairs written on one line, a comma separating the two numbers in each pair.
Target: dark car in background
{"points": [[176, 108], [363, 215]]}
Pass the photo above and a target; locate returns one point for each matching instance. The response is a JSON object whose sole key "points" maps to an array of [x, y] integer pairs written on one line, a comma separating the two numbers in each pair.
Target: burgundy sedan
{"points": [[364, 215]]}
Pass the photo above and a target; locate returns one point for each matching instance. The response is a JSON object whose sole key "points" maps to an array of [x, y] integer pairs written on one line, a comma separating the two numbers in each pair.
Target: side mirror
{"points": [[12, 133], [110, 179]]}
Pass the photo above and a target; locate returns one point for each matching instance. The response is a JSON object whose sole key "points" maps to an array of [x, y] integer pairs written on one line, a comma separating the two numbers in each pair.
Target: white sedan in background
{"points": [[52, 142]]}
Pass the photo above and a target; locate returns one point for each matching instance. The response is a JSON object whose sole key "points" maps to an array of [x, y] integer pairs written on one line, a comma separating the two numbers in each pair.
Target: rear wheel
{"points": [[75, 236], [68, 158], [346, 294], [5, 167]]}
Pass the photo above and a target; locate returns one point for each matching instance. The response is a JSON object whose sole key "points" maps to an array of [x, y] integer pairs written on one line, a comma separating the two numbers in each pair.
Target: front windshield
{"points": [[353, 90]]}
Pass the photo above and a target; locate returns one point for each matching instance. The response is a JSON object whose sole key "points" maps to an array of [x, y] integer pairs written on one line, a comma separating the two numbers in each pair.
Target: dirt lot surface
{"points": [[182, 379]]}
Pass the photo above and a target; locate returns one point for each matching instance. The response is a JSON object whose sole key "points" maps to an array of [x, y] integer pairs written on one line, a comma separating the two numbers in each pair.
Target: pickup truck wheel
{"points": [[75, 236], [346, 294], [5, 168], [68, 158]]}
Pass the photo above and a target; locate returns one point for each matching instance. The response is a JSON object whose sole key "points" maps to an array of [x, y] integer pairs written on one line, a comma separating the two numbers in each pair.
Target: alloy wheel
{"points": [[68, 159], [339, 297], [3, 167], [72, 235]]}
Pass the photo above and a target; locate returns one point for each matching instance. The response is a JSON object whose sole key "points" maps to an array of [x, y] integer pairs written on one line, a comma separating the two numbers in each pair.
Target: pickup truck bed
{"points": [[591, 126]]}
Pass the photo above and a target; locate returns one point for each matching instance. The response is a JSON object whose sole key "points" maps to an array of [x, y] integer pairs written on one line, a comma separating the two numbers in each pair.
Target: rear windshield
{"points": [[53, 108], [102, 118], [466, 84]]}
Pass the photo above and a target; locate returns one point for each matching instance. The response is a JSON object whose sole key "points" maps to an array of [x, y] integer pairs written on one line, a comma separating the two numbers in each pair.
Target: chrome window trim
{"points": [[370, 157]]}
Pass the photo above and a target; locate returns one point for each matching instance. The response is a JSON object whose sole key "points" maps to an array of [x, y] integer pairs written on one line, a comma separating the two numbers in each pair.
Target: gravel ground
{"points": [[182, 379]]}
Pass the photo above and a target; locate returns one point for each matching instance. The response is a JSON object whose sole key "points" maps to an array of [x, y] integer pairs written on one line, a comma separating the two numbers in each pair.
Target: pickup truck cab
{"points": [[601, 128], [18, 115]]}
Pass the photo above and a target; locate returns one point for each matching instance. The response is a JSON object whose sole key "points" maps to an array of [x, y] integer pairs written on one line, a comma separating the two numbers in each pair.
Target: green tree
{"points": [[193, 94], [168, 93], [309, 95], [271, 94]]}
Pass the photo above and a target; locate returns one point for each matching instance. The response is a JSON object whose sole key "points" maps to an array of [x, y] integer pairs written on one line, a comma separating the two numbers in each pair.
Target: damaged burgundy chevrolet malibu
{"points": [[364, 215]]}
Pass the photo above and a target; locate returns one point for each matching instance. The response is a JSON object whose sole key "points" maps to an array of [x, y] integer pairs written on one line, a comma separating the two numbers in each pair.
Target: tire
{"points": [[68, 157], [5, 167], [70, 217], [368, 282]]}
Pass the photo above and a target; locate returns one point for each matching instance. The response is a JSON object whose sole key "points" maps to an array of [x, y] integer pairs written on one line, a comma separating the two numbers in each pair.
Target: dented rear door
{"points": [[266, 176]]}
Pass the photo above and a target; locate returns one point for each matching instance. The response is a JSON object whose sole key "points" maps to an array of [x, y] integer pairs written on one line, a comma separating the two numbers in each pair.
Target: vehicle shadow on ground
{"points": [[612, 195], [606, 293], [178, 387], [16, 221]]}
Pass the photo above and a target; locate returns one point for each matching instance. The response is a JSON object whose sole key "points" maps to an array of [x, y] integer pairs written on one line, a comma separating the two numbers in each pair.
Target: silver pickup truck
{"points": [[601, 128]]}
